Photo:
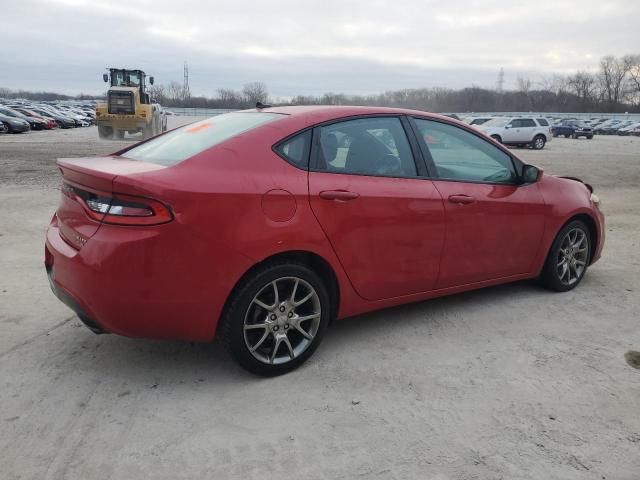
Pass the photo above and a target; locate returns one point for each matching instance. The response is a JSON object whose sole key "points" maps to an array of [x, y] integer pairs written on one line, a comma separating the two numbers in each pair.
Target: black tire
{"points": [[118, 134], [519, 145], [551, 276], [538, 142], [555, 135], [567, 135], [497, 138], [105, 132], [589, 137], [242, 309], [574, 136]]}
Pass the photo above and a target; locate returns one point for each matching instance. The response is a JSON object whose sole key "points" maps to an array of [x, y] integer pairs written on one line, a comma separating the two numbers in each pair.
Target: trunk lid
{"points": [[86, 179]]}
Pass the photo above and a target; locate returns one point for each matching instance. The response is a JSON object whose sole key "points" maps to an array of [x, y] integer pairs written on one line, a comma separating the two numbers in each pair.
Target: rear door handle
{"points": [[339, 195], [461, 199]]}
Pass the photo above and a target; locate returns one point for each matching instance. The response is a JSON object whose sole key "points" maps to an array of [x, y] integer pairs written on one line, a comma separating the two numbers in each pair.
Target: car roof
{"points": [[321, 113]]}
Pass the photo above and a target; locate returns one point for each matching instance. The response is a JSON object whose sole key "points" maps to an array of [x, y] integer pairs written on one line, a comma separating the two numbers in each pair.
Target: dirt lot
{"points": [[509, 382]]}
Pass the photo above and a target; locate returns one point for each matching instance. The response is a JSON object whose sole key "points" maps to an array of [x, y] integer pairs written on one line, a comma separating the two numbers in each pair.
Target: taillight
{"points": [[119, 209]]}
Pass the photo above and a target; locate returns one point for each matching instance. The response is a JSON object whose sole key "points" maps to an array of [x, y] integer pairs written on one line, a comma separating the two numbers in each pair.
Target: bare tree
{"points": [[174, 92], [157, 93], [255, 92], [582, 84], [613, 72], [634, 79]]}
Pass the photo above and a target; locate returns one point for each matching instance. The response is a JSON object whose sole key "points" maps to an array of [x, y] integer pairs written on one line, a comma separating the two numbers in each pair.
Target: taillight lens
{"points": [[119, 209]]}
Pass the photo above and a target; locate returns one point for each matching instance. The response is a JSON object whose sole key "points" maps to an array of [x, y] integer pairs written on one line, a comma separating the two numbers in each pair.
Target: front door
{"points": [[494, 225], [384, 221]]}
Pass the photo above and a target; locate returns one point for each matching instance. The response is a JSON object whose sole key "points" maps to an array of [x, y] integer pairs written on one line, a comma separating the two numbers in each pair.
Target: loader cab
{"points": [[129, 78]]}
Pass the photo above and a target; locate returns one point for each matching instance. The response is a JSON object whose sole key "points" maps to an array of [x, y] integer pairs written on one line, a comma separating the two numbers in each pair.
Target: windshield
{"points": [[496, 122], [182, 143], [125, 78]]}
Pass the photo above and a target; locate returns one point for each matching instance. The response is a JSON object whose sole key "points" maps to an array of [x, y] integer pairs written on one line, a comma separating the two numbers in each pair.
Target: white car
{"points": [[518, 131]]}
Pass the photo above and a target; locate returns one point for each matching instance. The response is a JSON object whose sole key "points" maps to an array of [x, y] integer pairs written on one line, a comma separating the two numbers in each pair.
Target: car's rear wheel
{"points": [[568, 258], [276, 318], [567, 135], [538, 142]]}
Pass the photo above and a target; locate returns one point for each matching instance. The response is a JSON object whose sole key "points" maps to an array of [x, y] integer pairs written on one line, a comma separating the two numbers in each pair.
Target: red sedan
{"points": [[261, 227]]}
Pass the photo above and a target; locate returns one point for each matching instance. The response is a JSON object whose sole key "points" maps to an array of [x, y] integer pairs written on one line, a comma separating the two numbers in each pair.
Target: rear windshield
{"points": [[182, 143]]}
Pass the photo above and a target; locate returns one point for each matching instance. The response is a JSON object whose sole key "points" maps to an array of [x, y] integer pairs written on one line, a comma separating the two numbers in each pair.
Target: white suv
{"points": [[519, 131]]}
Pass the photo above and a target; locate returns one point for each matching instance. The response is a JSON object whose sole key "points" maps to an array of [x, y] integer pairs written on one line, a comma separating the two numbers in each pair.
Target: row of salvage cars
{"points": [[564, 127], [21, 116]]}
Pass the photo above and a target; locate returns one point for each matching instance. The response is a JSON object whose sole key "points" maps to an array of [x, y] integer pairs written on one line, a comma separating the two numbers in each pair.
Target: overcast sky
{"points": [[308, 47]]}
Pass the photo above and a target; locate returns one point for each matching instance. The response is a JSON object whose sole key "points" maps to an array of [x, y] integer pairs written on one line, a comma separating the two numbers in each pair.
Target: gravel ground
{"points": [[509, 382]]}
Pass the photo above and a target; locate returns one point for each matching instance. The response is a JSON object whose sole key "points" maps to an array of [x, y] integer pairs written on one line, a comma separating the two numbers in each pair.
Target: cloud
{"points": [[356, 46]]}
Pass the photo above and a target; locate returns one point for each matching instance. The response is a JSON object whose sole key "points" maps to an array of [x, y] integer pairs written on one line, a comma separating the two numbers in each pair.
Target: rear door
{"points": [[494, 225], [528, 129], [383, 218]]}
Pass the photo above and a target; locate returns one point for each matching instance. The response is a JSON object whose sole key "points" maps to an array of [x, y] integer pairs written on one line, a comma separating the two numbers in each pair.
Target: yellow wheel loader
{"points": [[129, 108]]}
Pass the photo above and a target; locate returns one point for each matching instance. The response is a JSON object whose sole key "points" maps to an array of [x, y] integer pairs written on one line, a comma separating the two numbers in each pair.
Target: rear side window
{"points": [[182, 143], [527, 122], [543, 122], [295, 150], [375, 146]]}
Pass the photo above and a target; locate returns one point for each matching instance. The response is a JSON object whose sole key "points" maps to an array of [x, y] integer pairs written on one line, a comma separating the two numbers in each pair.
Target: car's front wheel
{"points": [[276, 318], [568, 258]]}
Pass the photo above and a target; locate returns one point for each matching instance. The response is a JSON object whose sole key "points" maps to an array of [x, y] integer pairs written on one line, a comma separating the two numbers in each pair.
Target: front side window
{"points": [[527, 122], [460, 155], [179, 144], [367, 146]]}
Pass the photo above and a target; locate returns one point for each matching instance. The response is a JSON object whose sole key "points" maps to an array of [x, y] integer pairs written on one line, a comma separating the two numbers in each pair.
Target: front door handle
{"points": [[339, 195], [461, 199]]}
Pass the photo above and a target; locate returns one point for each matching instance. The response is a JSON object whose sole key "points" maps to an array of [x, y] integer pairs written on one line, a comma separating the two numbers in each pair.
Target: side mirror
{"points": [[105, 77], [530, 174], [151, 80]]}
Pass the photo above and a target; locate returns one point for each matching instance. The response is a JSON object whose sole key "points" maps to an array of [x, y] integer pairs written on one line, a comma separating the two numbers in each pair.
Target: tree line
{"points": [[613, 87]]}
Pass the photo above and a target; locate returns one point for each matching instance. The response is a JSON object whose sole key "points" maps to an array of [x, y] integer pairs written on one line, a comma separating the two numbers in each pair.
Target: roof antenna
{"points": [[260, 105]]}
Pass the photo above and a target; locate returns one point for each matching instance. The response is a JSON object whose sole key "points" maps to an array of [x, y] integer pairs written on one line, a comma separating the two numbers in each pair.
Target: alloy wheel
{"points": [[282, 320], [572, 256]]}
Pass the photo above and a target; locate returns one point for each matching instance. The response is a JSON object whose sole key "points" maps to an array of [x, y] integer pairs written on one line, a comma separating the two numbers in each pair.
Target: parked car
{"points": [[572, 128], [50, 122], [479, 120], [34, 123], [628, 129], [62, 121], [274, 235], [15, 125], [519, 131], [608, 127]]}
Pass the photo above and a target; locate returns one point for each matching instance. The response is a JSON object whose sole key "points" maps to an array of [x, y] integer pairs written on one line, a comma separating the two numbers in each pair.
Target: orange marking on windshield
{"points": [[198, 128]]}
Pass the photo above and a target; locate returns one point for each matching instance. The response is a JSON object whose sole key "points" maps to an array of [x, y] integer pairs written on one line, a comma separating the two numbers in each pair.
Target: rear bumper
{"points": [[70, 302], [123, 122], [136, 282]]}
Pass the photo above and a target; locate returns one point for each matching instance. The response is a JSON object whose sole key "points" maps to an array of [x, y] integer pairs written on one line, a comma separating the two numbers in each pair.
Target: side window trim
{"points": [[315, 146], [517, 164]]}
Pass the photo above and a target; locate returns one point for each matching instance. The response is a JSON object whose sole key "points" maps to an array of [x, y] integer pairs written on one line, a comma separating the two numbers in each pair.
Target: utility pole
{"points": [[186, 93]]}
